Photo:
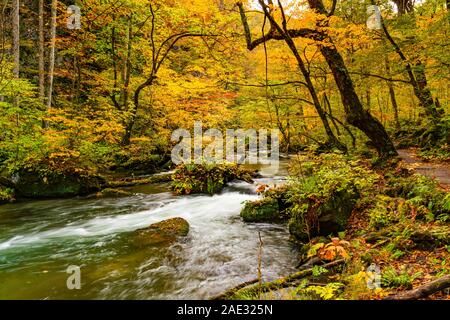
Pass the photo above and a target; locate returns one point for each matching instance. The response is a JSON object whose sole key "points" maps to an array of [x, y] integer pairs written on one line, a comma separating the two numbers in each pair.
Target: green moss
{"points": [[112, 193], [6, 195], [164, 232], [421, 192], [265, 210], [207, 178], [31, 184]]}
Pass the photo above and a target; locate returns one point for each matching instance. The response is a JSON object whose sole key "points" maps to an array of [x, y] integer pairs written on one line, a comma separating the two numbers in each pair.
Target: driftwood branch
{"points": [[252, 286], [424, 290]]}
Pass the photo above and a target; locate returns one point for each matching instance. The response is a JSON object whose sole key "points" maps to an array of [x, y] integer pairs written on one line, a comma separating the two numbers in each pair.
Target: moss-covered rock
{"points": [[110, 193], [6, 195], [264, 210], [207, 178], [31, 184], [272, 208], [162, 233], [318, 218]]}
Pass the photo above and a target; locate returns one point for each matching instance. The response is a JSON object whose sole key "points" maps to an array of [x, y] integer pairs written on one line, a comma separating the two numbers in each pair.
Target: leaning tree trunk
{"points": [[355, 113], [416, 74]]}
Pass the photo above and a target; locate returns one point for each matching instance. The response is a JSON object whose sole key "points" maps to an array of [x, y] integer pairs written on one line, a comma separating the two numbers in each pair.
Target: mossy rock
{"points": [[265, 210], [6, 195], [30, 184], [111, 193], [165, 232], [207, 178], [330, 217]]}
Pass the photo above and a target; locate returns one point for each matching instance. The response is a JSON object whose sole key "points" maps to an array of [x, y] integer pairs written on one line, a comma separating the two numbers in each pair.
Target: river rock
{"points": [[31, 184], [330, 217], [110, 193], [265, 210], [272, 208], [165, 232]]}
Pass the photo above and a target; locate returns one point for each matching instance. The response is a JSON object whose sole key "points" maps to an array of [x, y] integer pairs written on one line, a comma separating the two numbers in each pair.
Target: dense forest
{"points": [[92, 91]]}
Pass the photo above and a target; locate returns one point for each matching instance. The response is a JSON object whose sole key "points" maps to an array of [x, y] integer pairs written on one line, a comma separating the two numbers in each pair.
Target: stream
{"points": [[40, 239]]}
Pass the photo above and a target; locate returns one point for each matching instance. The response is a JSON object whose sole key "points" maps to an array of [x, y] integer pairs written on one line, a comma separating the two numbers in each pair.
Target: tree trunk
{"points": [[417, 74], [404, 6], [392, 94], [41, 53], [51, 65], [424, 290], [355, 113], [16, 37], [332, 140]]}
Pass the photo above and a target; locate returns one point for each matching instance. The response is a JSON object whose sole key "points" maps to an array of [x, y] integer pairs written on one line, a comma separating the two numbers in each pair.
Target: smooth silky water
{"points": [[40, 239]]}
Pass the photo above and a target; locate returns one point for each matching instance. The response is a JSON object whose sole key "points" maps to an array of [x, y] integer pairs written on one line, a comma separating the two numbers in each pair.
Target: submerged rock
{"points": [[165, 232], [110, 193]]}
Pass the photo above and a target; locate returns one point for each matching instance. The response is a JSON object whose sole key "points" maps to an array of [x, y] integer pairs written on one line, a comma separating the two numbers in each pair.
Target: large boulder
{"points": [[165, 232], [323, 218], [30, 184]]}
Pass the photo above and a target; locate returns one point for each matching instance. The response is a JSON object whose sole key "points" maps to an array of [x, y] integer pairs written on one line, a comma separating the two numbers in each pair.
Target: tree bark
{"points": [[51, 65], [404, 6], [424, 290], [392, 94], [354, 110], [355, 113], [16, 37], [41, 53], [284, 32], [417, 74]]}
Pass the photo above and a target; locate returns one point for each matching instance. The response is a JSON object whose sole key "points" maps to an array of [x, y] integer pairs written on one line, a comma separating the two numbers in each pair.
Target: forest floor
{"points": [[439, 171]]}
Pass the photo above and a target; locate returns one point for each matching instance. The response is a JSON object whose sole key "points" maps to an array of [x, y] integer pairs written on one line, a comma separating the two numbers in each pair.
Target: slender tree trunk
{"points": [[16, 37], [51, 65], [392, 94], [416, 74], [327, 103], [127, 65], [41, 53]]}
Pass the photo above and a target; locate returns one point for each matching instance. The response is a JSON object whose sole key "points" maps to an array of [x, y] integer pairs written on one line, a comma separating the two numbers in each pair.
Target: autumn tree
{"points": [[355, 112]]}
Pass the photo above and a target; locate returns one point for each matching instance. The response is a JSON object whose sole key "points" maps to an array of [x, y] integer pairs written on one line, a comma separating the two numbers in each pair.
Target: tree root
{"points": [[252, 287], [423, 290]]}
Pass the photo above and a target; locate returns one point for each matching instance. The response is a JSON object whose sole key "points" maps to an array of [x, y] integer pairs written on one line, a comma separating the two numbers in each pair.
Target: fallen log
{"points": [[424, 290], [438, 235], [252, 287]]}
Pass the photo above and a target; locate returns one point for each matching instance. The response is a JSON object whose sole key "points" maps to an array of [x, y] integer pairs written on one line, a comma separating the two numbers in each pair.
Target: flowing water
{"points": [[40, 239]]}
